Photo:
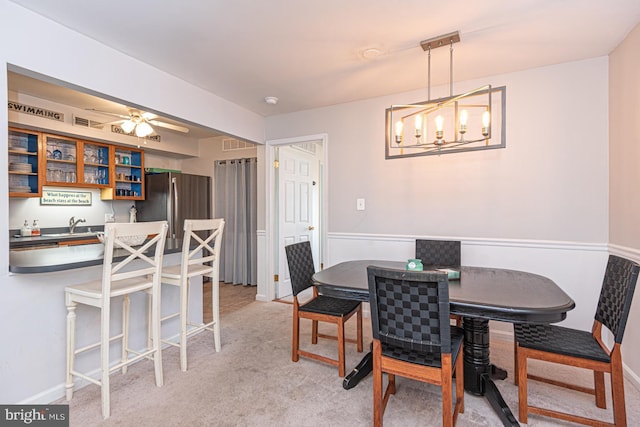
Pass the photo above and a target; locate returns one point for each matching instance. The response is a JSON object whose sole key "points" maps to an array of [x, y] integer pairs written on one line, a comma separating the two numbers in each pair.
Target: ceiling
{"points": [[309, 54]]}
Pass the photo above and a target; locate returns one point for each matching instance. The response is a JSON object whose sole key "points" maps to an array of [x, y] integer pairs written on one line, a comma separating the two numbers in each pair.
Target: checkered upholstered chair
{"points": [[583, 349], [319, 308], [440, 254], [412, 336]]}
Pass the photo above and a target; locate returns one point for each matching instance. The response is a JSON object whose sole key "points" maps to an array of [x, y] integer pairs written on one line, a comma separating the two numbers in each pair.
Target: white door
{"points": [[298, 214]]}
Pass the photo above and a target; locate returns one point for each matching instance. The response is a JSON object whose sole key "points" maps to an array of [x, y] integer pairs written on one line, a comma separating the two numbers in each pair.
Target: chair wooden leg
{"points": [[598, 382], [515, 360], [314, 332], [104, 360], [359, 329], [378, 410], [295, 345], [522, 385], [460, 381], [447, 391], [617, 389], [126, 305], [184, 314], [71, 345], [341, 352], [391, 386]]}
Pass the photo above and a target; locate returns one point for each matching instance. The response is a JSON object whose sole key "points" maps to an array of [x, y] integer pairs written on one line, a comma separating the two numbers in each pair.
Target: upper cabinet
{"points": [[129, 174], [25, 163], [37, 159]]}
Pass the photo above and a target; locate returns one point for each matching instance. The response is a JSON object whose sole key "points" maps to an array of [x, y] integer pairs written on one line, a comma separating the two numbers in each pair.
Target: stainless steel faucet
{"points": [[73, 222]]}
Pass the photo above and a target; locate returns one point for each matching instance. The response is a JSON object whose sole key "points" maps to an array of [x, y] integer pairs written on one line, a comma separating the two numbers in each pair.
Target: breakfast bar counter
{"points": [[59, 258]]}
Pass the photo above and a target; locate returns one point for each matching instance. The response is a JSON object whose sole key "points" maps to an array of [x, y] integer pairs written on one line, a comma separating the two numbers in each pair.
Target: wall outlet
{"points": [[108, 217]]}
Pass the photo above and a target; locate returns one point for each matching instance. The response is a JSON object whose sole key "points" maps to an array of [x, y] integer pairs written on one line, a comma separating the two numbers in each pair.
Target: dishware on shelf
{"points": [[21, 167], [20, 189], [57, 154], [70, 176]]}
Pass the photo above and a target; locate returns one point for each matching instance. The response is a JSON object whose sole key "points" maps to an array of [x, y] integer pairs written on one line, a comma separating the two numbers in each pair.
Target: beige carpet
{"points": [[253, 382]]}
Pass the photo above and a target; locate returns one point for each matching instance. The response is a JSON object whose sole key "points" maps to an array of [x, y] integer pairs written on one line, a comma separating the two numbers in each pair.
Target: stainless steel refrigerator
{"points": [[175, 197]]}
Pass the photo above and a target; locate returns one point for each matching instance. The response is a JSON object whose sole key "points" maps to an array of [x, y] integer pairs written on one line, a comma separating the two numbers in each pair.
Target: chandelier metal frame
{"points": [[452, 124]]}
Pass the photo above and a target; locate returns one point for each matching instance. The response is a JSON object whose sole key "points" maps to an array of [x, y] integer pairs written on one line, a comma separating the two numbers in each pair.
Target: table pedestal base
{"points": [[479, 373], [363, 369]]}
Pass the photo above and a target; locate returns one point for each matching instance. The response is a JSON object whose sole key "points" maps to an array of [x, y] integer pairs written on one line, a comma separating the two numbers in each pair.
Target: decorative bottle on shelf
{"points": [[25, 231], [35, 229]]}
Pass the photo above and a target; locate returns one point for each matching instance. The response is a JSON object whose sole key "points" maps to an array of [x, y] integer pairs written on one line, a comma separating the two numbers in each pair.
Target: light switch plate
{"points": [[360, 204]]}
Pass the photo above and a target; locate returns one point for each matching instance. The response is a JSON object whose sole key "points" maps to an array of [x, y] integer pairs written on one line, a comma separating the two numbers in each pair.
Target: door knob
{"points": [[311, 228]]}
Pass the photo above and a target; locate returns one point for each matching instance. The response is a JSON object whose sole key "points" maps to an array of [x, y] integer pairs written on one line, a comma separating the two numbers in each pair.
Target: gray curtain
{"points": [[236, 201]]}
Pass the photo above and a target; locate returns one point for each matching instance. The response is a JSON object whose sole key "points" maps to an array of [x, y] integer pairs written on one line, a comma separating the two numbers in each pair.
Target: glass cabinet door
{"points": [[24, 163], [96, 161], [61, 160]]}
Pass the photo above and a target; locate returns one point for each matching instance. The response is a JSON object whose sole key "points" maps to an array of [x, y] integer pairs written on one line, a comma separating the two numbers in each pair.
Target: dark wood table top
{"points": [[488, 293]]}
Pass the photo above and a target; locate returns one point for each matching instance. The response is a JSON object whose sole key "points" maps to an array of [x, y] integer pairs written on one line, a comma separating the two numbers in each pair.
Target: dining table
{"points": [[479, 295]]}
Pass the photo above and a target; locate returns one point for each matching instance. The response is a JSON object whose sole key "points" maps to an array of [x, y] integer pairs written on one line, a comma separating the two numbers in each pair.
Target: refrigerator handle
{"points": [[174, 215]]}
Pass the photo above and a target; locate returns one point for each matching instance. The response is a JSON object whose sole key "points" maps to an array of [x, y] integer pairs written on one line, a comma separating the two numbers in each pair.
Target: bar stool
{"points": [[193, 265], [119, 278]]}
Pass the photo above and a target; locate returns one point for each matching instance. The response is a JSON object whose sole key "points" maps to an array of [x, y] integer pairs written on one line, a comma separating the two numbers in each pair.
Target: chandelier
{"points": [[470, 121]]}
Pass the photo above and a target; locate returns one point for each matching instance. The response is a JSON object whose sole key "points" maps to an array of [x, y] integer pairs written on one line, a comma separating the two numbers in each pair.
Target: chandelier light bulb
{"points": [[399, 131], [464, 118], [439, 129], [418, 123], [486, 120]]}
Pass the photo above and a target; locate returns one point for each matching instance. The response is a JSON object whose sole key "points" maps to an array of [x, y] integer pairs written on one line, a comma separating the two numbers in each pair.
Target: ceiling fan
{"points": [[140, 122]]}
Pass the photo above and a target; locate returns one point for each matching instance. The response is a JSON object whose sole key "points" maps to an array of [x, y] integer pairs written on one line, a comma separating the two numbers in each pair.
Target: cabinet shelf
{"points": [[24, 147], [23, 173]]}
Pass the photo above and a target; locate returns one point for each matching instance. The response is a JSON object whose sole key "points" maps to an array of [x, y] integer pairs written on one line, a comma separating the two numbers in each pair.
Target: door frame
{"points": [[271, 220]]}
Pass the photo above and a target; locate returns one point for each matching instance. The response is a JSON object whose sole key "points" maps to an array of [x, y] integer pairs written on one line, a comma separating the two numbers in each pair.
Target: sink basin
{"points": [[83, 234]]}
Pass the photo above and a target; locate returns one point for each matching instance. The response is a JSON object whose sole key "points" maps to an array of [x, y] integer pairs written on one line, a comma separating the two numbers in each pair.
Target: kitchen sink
{"points": [[82, 234]]}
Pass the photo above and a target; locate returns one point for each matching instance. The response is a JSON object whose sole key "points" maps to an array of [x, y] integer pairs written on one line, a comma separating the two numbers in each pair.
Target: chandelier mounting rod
{"points": [[434, 43]]}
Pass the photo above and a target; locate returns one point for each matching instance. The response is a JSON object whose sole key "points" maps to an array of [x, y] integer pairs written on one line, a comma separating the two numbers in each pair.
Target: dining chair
{"points": [[440, 254], [200, 257], [582, 349], [412, 337], [319, 308], [121, 277]]}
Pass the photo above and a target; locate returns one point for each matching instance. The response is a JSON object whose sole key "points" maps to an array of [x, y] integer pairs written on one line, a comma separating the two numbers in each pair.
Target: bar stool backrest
{"points": [[207, 237], [117, 247]]}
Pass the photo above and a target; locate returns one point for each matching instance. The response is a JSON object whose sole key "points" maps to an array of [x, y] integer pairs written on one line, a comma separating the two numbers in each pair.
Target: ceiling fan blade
{"points": [[121, 116], [169, 126], [149, 116]]}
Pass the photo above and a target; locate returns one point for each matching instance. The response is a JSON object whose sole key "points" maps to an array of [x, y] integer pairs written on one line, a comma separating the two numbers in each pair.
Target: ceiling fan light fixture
{"points": [[128, 126], [143, 129]]}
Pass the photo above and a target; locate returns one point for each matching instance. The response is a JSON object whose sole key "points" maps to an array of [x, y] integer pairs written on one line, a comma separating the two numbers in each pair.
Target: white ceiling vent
{"points": [[230, 144], [86, 123]]}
